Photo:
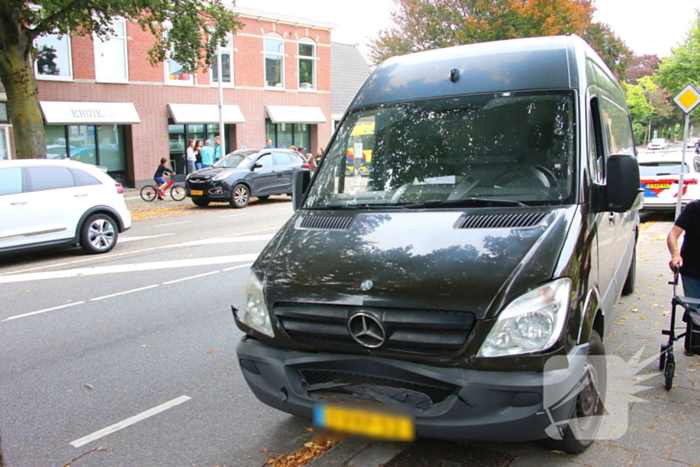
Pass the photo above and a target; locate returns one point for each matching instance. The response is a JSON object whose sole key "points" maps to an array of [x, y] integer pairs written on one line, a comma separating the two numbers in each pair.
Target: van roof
{"points": [[509, 65]]}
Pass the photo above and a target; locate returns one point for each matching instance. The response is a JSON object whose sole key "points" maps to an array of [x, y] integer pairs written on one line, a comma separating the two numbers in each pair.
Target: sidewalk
{"points": [[662, 426]]}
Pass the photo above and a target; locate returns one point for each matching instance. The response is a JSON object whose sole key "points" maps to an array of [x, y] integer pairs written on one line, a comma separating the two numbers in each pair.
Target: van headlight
{"points": [[530, 323], [254, 312]]}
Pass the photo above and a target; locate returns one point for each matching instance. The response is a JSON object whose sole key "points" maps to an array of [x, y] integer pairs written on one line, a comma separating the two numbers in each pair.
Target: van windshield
{"points": [[507, 148]]}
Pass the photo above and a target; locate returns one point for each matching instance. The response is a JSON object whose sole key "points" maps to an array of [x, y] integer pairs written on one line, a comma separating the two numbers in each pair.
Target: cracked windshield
{"points": [[506, 148]]}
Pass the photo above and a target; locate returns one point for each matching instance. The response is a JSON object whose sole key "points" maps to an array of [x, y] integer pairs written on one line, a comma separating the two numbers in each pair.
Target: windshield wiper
{"points": [[465, 202], [357, 206]]}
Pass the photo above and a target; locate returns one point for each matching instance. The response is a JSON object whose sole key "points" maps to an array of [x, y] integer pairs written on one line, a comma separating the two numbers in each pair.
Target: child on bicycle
{"points": [[162, 169]]}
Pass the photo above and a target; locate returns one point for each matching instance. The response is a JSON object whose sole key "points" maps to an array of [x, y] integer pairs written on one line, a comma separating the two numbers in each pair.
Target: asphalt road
{"points": [[141, 339]]}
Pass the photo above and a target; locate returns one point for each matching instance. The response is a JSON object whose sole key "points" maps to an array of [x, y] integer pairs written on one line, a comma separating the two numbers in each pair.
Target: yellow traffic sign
{"points": [[688, 98]]}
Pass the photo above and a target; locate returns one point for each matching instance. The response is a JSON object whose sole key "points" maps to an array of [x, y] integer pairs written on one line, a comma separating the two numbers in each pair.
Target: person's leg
{"points": [[160, 181], [691, 286]]}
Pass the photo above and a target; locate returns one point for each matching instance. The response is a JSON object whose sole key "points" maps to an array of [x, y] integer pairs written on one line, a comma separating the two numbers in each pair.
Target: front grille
{"points": [[419, 332], [436, 392], [489, 221]]}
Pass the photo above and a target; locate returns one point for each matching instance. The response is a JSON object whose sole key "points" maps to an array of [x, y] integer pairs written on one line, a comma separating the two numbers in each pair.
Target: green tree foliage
{"points": [[683, 65], [430, 24], [195, 29]]}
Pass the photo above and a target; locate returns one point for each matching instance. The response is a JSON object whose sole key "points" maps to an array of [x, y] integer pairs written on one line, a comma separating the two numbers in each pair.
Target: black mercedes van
{"points": [[475, 216]]}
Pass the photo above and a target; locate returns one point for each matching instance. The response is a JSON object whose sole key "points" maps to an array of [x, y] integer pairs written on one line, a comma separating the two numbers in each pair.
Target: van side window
{"points": [[596, 154], [616, 128]]}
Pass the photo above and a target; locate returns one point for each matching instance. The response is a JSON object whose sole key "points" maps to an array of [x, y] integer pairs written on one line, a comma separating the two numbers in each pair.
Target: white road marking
{"points": [[248, 238], [191, 277], [112, 255], [41, 311], [135, 267], [123, 293], [123, 239], [173, 223], [237, 267], [128, 422]]}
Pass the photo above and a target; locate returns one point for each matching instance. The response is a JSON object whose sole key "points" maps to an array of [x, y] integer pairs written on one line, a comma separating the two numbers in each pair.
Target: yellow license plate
{"points": [[364, 422], [196, 192], [657, 186]]}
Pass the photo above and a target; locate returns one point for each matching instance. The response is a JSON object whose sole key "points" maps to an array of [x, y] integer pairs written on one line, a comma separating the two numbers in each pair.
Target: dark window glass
{"points": [[83, 178], [10, 181], [282, 158], [266, 160], [50, 178]]}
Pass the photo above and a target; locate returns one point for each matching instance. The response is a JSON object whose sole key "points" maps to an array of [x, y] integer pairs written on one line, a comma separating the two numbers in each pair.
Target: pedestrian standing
{"points": [[688, 256], [190, 157], [197, 154], [217, 149], [207, 153], [268, 144]]}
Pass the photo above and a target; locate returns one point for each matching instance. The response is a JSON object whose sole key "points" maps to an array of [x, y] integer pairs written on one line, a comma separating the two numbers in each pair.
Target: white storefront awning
{"points": [[89, 113], [203, 113], [290, 114]]}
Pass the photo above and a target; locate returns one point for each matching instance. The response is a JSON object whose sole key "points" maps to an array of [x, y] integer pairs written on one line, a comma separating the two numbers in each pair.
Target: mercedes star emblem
{"points": [[366, 330], [366, 285]]}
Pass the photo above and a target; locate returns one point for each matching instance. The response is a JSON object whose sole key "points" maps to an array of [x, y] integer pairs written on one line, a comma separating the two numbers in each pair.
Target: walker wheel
{"points": [[662, 356], [670, 369]]}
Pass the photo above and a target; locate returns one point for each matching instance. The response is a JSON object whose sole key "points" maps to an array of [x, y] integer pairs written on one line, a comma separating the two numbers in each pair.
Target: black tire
{"points": [[149, 193], [583, 424], [201, 202], [264, 198], [628, 288], [662, 356], [668, 374], [240, 196], [178, 192], [98, 234]]}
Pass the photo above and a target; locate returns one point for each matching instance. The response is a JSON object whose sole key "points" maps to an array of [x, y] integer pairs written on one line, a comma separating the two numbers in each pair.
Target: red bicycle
{"points": [[151, 192]]}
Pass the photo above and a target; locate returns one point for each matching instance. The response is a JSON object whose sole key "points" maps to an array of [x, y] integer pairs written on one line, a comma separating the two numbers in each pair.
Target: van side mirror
{"points": [[300, 183], [623, 187]]}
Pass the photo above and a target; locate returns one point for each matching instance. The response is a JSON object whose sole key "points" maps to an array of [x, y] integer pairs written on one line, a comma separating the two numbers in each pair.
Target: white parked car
{"points": [[658, 143], [49, 202], [659, 172]]}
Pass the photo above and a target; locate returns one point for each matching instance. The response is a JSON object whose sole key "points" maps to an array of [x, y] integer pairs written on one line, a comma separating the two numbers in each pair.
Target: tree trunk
{"points": [[17, 75]]}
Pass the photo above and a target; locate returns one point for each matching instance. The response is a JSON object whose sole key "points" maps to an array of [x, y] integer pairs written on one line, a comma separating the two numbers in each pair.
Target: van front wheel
{"points": [[582, 427]]}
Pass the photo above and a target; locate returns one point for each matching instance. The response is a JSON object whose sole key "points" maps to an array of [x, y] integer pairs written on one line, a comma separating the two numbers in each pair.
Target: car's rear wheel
{"points": [[201, 202], [240, 196], [98, 234]]}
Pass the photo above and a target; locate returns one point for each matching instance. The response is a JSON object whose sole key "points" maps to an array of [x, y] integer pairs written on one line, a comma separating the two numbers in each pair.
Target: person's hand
{"points": [[675, 261]]}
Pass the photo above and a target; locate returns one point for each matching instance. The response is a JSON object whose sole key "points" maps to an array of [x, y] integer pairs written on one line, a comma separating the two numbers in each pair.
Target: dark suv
{"points": [[245, 173]]}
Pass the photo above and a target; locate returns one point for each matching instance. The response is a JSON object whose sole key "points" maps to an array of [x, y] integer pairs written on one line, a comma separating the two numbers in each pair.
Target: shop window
{"points": [[53, 57], [111, 65], [226, 53], [274, 61], [284, 135], [307, 64], [4, 152]]}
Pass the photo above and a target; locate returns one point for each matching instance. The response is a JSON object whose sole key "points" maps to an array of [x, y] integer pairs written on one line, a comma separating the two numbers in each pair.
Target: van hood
{"points": [[418, 259]]}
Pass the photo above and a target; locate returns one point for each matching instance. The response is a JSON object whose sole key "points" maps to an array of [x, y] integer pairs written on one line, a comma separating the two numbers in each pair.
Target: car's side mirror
{"points": [[257, 165], [300, 183], [623, 189]]}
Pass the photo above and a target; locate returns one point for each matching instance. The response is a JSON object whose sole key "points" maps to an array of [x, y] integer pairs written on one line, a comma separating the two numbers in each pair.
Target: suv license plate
{"points": [[196, 192], [364, 422]]}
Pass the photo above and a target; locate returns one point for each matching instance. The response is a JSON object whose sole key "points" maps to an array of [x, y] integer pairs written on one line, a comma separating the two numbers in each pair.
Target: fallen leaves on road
{"points": [[143, 214], [310, 451]]}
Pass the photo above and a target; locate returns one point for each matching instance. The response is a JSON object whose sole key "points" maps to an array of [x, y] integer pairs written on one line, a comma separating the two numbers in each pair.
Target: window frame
{"points": [[69, 48], [230, 50], [166, 69], [275, 36], [313, 58], [116, 37]]}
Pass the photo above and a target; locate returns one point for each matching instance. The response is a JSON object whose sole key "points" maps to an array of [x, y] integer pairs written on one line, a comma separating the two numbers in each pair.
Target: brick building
{"points": [[103, 102]]}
